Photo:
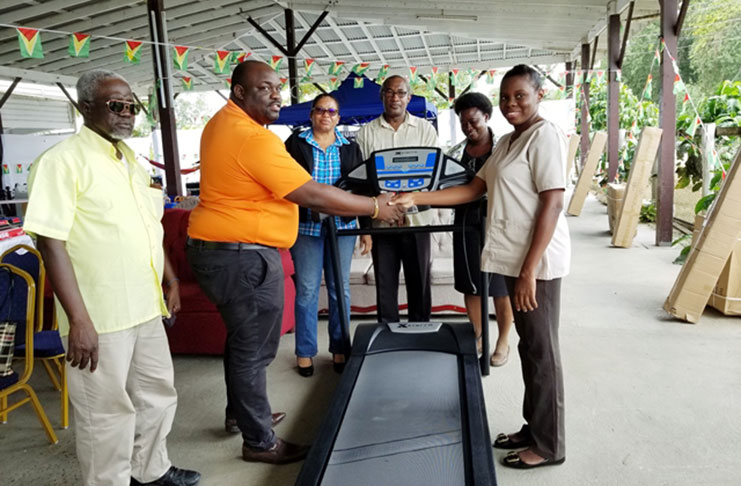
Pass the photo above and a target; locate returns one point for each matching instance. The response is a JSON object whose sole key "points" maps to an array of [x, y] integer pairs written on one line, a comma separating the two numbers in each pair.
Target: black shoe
{"points": [[173, 477], [338, 367], [306, 371]]}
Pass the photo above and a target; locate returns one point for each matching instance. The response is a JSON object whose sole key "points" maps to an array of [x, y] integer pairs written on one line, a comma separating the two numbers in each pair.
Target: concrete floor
{"points": [[649, 400]]}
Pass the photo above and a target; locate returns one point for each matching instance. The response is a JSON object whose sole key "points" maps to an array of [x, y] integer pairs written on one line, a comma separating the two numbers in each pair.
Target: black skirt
{"points": [[467, 253]]}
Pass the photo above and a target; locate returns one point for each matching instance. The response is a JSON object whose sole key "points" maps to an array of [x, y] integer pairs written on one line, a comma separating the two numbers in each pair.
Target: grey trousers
{"points": [[247, 288], [540, 355]]}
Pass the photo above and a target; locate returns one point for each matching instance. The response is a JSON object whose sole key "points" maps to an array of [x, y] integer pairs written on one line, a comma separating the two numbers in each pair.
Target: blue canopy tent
{"points": [[357, 105]]}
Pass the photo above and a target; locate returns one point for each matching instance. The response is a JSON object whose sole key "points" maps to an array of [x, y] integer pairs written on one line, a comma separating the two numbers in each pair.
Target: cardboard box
{"points": [[626, 225], [707, 259], [585, 178], [726, 296], [615, 195], [571, 154]]}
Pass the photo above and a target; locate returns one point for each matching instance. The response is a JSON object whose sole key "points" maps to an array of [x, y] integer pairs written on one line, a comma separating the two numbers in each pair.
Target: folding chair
{"points": [[48, 347], [17, 303]]}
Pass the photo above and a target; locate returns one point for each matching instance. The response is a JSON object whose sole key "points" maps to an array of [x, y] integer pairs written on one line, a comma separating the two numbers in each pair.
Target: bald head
{"points": [[256, 89]]}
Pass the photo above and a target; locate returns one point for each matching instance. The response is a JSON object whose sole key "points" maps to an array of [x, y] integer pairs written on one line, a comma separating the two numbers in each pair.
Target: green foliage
{"points": [[632, 112], [684, 242], [648, 213], [722, 108]]}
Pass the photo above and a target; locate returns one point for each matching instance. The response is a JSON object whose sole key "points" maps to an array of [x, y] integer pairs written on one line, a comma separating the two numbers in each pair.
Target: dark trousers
{"points": [[247, 288], [540, 355], [389, 253]]}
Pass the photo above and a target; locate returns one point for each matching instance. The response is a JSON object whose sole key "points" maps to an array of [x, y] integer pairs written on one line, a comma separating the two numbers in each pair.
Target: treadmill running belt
{"points": [[402, 424]]}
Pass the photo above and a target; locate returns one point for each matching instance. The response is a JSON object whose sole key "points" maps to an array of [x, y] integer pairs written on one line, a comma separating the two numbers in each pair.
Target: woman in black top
{"points": [[474, 110]]}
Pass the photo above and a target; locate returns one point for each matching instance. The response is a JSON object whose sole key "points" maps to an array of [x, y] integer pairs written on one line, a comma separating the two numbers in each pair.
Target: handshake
{"points": [[392, 207]]}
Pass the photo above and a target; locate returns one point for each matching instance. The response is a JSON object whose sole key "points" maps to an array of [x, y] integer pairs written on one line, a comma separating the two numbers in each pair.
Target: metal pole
{"points": [[484, 285], [168, 126], [613, 92], [668, 123], [339, 287], [584, 104], [291, 48]]}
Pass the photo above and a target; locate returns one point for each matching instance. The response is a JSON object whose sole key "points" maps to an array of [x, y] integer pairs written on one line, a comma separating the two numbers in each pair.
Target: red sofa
{"points": [[198, 328]]}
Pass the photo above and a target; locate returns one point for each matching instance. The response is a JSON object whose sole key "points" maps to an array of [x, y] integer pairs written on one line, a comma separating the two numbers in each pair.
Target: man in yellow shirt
{"points": [[250, 191], [97, 222]]}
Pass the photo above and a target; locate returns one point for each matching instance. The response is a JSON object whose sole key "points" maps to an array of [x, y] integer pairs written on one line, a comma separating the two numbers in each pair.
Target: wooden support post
{"points": [[668, 123], [168, 128], [569, 79], [613, 93], [585, 178], [584, 104]]}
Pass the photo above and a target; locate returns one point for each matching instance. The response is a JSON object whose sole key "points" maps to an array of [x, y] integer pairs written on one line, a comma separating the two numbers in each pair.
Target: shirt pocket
{"points": [[509, 238]]}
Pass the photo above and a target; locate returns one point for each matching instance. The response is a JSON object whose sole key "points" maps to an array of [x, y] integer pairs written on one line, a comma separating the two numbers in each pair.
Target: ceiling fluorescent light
{"points": [[462, 18]]}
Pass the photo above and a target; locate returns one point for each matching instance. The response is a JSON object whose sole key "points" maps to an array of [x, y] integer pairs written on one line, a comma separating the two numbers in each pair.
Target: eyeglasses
{"points": [[120, 107], [390, 93], [328, 111]]}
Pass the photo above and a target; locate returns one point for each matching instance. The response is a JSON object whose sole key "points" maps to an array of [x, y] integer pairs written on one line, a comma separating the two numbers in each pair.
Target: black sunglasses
{"points": [[118, 107], [322, 111]]}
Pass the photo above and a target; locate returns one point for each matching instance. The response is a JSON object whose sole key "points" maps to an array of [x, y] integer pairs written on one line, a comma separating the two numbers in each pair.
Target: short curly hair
{"points": [[473, 100]]}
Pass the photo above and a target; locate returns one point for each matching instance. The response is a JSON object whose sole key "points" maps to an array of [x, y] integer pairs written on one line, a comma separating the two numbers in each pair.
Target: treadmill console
{"points": [[406, 169]]}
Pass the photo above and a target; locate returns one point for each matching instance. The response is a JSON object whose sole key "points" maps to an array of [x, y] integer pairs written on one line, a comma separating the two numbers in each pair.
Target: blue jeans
{"points": [[310, 255]]}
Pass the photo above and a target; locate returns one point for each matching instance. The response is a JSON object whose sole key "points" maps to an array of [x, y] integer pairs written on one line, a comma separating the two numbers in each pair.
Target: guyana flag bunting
{"points": [[19, 168], [133, 51], [648, 87], [180, 57], [275, 62], [187, 83], [412, 74], [79, 45], [308, 67], [30, 43], [382, 73], [334, 83], [600, 76], [336, 67], [358, 82], [360, 68], [240, 56], [283, 82], [221, 62], [696, 122], [454, 77], [678, 85], [5, 169], [490, 76], [685, 101], [435, 69], [228, 83]]}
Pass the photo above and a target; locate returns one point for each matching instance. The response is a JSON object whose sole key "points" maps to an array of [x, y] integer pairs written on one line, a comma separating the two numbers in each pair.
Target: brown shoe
{"points": [[231, 427], [282, 452]]}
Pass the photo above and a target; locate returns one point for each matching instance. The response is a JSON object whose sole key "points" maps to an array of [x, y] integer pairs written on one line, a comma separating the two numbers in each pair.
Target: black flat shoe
{"points": [[504, 442], [306, 371], [338, 367], [173, 477], [513, 460]]}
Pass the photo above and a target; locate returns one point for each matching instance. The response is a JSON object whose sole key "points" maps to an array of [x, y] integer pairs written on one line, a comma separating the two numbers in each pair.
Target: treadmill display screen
{"points": [[405, 169]]}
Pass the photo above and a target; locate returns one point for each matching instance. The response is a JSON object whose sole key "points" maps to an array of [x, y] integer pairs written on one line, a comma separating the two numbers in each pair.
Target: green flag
{"points": [[29, 41], [79, 45]]}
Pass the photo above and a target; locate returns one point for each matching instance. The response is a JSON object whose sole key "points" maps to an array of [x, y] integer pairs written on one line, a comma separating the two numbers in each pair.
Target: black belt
{"points": [[222, 245]]}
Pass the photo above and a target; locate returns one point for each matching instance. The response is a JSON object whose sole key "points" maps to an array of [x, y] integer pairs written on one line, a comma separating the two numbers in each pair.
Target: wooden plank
{"points": [[640, 171], [573, 146], [699, 274], [585, 178]]}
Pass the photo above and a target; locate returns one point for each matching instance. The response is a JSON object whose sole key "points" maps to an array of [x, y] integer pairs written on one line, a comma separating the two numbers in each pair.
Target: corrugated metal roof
{"points": [[462, 34]]}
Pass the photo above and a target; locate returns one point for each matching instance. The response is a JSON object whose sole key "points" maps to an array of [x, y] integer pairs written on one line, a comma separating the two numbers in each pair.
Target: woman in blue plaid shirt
{"points": [[326, 154]]}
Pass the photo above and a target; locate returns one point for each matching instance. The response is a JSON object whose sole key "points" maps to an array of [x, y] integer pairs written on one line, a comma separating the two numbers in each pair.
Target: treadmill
{"points": [[409, 408]]}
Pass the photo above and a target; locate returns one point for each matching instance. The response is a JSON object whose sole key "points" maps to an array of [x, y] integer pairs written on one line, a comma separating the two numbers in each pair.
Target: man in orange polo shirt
{"points": [[250, 189]]}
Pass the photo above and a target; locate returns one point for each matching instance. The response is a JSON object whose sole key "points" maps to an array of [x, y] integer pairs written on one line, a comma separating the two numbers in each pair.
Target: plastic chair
{"points": [[48, 347], [17, 297]]}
